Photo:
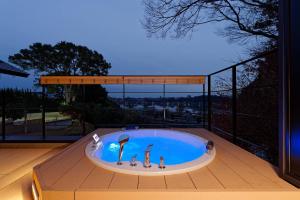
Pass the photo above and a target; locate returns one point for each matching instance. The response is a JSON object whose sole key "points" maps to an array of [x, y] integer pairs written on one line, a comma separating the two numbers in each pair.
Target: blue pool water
{"points": [[174, 151]]}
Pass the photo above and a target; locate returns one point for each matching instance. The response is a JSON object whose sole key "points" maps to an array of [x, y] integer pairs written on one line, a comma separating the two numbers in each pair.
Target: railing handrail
{"points": [[244, 61]]}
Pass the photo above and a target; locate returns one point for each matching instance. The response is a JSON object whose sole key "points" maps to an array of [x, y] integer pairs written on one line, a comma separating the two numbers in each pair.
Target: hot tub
{"points": [[181, 151]]}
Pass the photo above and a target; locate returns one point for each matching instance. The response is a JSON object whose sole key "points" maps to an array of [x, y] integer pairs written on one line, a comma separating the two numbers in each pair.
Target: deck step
{"points": [[26, 168]]}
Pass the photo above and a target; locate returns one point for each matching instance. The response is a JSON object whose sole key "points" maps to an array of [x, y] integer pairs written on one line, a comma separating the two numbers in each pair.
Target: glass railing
{"points": [[241, 107], [244, 105], [53, 119]]}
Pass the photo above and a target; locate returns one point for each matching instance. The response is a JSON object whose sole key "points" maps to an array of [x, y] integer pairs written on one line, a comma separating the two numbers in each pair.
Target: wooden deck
{"points": [[234, 174], [16, 164]]}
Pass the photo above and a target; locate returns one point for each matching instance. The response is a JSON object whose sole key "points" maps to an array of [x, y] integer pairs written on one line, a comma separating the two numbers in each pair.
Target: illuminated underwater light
{"points": [[114, 147]]}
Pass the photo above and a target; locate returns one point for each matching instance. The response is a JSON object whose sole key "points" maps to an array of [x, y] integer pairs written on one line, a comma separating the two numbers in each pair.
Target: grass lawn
{"points": [[50, 117]]}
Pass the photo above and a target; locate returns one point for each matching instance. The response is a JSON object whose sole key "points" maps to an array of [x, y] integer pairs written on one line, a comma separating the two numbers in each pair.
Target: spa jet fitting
{"points": [[161, 163], [147, 163], [133, 161], [123, 139], [209, 146]]}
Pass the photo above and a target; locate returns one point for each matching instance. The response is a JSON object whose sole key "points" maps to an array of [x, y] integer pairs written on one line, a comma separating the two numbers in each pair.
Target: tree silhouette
{"points": [[67, 59], [257, 81], [243, 18], [63, 58]]}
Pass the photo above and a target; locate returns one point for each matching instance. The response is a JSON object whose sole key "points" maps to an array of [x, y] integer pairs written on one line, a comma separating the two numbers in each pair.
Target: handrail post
{"points": [[164, 100], [124, 101], [209, 102], [123, 93], [43, 113], [234, 107], [84, 114], [203, 106]]}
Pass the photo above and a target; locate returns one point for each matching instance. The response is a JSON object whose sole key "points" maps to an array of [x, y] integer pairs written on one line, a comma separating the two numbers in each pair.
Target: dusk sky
{"points": [[112, 28]]}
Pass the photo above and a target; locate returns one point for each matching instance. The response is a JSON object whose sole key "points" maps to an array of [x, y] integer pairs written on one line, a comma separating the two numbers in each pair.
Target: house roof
{"points": [[6, 68]]}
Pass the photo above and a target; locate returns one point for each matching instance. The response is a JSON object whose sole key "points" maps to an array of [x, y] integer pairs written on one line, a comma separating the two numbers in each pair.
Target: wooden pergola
{"points": [[127, 79]]}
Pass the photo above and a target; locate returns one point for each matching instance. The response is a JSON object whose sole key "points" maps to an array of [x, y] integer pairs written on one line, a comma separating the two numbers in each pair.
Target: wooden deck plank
{"points": [[8, 157], [53, 172], [19, 189], [204, 179], [228, 178], [6, 153], [73, 178], [75, 146], [261, 167], [246, 172], [179, 181], [152, 182], [228, 172], [19, 157], [186, 195], [98, 179], [58, 195], [124, 181], [60, 164], [21, 170], [61, 156]]}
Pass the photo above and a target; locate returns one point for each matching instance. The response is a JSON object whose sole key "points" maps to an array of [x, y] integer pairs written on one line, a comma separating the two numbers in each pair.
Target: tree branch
{"points": [[182, 16]]}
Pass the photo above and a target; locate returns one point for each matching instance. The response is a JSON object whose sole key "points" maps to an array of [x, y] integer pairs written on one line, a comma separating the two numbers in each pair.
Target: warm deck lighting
{"points": [[94, 80], [35, 193]]}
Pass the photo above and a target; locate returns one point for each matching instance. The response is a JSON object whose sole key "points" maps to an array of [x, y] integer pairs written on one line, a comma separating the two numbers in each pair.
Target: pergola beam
{"points": [[129, 79]]}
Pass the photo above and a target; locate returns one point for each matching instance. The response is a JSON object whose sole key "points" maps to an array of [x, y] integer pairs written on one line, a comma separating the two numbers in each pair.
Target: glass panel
{"points": [[64, 113], [184, 109], [221, 97], [257, 107], [59, 123], [23, 115], [23, 124]]}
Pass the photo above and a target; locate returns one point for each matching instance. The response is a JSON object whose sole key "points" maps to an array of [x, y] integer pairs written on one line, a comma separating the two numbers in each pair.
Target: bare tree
{"points": [[256, 80], [243, 18]]}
